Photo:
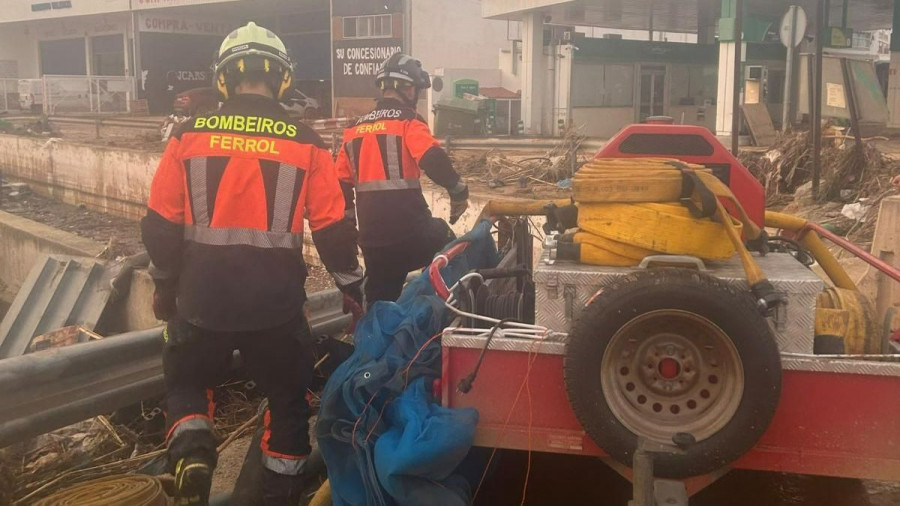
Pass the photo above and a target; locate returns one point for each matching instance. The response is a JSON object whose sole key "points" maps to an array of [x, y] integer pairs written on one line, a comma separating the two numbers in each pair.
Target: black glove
{"points": [[164, 299], [459, 201]]}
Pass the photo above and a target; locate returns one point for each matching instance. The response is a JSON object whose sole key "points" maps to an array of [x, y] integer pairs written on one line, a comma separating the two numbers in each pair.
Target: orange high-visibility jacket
{"points": [[383, 156], [226, 210]]}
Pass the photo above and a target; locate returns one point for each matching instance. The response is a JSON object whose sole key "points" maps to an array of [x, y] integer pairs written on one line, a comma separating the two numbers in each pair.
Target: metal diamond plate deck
{"points": [[564, 288]]}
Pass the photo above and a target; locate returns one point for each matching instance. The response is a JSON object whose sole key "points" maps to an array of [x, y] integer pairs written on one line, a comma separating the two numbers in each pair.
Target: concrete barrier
{"points": [[112, 180]]}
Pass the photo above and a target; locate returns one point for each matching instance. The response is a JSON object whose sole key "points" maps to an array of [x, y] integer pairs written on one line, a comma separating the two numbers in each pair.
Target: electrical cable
{"points": [[803, 256], [532, 356], [465, 384], [377, 391]]}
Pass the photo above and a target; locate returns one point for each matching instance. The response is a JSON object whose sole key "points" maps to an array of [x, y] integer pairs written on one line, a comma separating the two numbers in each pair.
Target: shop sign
{"points": [[59, 29], [155, 4], [179, 24], [356, 62]]}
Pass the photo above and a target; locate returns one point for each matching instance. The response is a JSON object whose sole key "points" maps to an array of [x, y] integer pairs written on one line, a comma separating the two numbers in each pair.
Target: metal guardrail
{"points": [[525, 143], [333, 136], [139, 124], [51, 389], [94, 94]]}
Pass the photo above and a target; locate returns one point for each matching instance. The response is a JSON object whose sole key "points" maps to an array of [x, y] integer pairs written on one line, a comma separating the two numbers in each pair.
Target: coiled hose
{"points": [[133, 490]]}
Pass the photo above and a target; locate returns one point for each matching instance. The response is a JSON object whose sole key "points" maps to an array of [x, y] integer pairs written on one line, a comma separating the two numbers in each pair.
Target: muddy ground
{"points": [[123, 236]]}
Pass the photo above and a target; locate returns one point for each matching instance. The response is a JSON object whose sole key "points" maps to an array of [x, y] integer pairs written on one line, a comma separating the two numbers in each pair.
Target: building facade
{"points": [[157, 48], [440, 34]]}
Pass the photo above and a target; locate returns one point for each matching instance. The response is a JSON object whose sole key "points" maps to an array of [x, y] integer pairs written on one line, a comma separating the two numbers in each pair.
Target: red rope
{"points": [[532, 356], [530, 424], [366, 407]]}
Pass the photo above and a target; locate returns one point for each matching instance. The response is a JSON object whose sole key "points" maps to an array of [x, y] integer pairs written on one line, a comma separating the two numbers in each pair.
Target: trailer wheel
{"points": [[678, 352]]}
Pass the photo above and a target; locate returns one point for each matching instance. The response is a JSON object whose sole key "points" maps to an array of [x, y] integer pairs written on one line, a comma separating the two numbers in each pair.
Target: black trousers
{"points": [[280, 360], [388, 266]]}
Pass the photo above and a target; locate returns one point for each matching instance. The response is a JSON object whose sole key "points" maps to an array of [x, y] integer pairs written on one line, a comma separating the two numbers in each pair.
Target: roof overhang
{"points": [[676, 15]]}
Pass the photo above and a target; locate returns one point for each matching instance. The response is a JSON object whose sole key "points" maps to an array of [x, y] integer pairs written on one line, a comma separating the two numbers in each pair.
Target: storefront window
{"points": [[692, 84], [63, 57], [107, 55], [367, 27], [599, 85]]}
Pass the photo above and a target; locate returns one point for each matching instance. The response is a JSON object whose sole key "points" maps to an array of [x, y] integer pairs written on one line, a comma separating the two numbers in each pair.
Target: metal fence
{"points": [[9, 94], [86, 94]]}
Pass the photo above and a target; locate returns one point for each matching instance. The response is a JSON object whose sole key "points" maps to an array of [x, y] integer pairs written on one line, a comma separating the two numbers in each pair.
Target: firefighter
{"points": [[382, 157], [224, 230]]}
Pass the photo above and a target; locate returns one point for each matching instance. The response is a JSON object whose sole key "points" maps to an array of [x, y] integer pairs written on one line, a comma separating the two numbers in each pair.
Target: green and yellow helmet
{"points": [[252, 50]]}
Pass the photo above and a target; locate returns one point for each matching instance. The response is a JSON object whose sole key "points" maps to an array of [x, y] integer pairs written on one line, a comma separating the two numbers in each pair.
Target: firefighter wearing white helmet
{"points": [[252, 50], [224, 230]]}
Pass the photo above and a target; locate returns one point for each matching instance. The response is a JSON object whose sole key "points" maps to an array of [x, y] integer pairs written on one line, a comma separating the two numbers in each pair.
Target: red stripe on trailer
{"points": [[829, 424]]}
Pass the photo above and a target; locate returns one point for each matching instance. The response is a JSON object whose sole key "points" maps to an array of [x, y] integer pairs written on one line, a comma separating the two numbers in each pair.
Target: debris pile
{"points": [[854, 180], [129, 441], [495, 168], [31, 127]]}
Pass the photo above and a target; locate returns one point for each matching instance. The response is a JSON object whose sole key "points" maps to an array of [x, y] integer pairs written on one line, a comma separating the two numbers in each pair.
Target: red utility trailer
{"points": [[674, 401]]}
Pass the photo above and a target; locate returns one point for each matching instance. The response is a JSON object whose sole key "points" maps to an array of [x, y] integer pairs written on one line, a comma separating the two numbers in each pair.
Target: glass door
{"points": [[653, 88]]}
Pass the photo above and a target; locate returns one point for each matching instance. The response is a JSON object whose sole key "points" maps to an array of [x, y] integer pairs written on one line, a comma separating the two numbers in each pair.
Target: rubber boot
{"points": [[193, 479], [282, 489]]}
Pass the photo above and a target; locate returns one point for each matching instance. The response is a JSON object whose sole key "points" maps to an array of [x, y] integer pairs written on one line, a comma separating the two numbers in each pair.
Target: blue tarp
{"points": [[384, 439]]}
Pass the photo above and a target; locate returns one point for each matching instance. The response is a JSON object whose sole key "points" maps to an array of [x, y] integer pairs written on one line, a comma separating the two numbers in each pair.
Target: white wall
{"points": [[19, 10], [79, 27], [17, 43], [452, 34], [513, 7], [510, 73]]}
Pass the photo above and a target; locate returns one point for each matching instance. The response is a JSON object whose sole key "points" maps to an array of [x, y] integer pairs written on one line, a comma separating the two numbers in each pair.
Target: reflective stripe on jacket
{"points": [[226, 215], [383, 157]]}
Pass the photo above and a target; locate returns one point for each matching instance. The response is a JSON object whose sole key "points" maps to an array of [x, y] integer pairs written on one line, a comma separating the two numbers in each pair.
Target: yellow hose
{"points": [[816, 247], [133, 490], [520, 207], [848, 315], [323, 495], [652, 227]]}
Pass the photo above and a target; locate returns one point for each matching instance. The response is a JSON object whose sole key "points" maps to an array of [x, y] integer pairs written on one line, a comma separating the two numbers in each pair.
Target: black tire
{"points": [[733, 311]]}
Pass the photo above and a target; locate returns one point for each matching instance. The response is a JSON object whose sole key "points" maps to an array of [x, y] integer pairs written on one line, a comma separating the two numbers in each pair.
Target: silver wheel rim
{"points": [[672, 371]]}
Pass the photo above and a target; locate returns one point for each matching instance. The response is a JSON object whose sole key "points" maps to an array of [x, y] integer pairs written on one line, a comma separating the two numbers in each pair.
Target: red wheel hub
{"points": [[669, 368]]}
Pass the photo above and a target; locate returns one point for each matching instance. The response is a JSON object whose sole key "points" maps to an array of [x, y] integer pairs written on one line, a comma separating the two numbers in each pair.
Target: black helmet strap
{"points": [[395, 84]]}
